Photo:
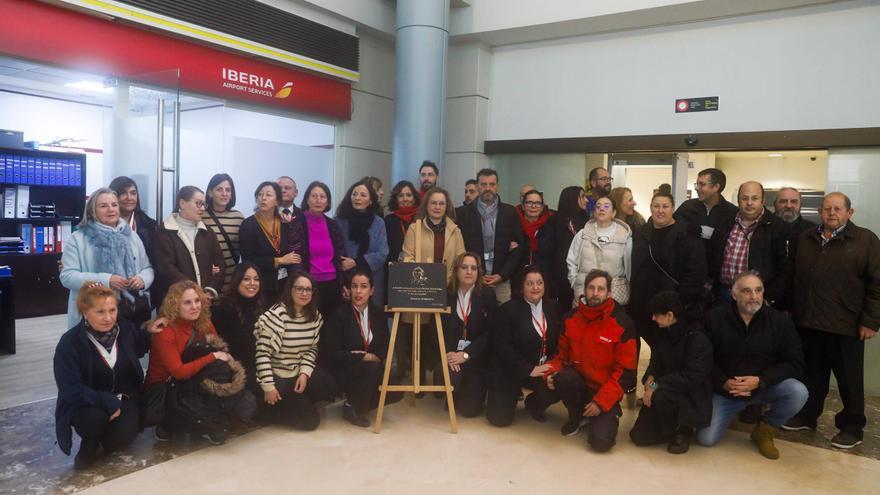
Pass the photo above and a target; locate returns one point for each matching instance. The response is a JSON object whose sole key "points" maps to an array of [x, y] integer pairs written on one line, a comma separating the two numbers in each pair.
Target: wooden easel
{"points": [[416, 387]]}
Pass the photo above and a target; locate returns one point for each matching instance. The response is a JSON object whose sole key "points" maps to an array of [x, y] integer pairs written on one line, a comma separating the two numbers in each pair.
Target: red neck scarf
{"points": [[406, 214], [595, 313], [531, 228]]}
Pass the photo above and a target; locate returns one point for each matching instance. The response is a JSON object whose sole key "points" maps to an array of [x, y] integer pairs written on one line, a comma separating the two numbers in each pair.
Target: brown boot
{"points": [[762, 437]]}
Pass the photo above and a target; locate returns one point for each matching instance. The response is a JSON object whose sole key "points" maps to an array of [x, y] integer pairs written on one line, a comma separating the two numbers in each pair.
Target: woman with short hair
{"points": [[404, 205]]}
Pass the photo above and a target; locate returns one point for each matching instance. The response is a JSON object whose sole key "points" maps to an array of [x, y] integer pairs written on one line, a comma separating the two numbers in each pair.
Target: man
{"points": [[429, 174], [705, 212], [492, 228], [595, 363], [470, 191], [600, 186], [788, 208], [757, 359], [753, 239], [286, 207], [678, 393], [836, 308]]}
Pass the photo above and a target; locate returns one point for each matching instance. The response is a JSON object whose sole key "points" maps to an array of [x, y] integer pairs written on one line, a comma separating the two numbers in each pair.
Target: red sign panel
{"points": [[45, 33]]}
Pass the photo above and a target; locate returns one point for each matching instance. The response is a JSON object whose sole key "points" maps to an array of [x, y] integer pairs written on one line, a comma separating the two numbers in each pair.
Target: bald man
{"points": [[754, 239]]}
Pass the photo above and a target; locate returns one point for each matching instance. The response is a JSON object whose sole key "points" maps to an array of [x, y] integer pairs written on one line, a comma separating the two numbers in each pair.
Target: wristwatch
{"points": [[654, 386], [467, 357]]}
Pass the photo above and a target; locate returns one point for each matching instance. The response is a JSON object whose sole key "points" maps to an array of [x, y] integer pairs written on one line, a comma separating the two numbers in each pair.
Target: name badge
{"points": [[706, 231], [542, 360], [463, 344], [282, 273]]}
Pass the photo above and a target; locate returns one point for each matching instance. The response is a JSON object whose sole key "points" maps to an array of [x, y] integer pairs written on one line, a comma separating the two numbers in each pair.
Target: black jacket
{"points": [[682, 257], [769, 347], [78, 367], [507, 229], [554, 240], [255, 247], [146, 230], [484, 308], [767, 255], [693, 212], [516, 345], [341, 334], [238, 334], [681, 362], [395, 230]]}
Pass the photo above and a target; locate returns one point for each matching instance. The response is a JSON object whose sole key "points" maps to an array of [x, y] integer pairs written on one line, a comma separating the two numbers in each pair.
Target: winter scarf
{"points": [[106, 339], [359, 229], [600, 313], [113, 249], [531, 228], [406, 214]]}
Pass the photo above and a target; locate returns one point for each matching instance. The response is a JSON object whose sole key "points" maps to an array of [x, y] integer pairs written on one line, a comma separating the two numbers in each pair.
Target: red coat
{"points": [[600, 344], [165, 352]]}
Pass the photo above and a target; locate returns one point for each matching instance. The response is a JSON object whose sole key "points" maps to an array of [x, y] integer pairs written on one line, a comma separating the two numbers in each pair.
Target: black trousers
{"points": [[573, 390], [93, 425], [658, 423], [360, 383], [504, 393], [469, 392], [844, 356], [329, 297], [298, 410]]}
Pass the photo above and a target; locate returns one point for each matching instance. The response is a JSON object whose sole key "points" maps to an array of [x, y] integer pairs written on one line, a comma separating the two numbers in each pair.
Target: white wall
{"points": [[806, 69], [550, 173]]}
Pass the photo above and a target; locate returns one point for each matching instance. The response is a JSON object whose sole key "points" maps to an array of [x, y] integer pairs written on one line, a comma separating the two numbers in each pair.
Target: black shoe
{"points": [[751, 414], [215, 438], [573, 426], [797, 424], [679, 444], [537, 415], [88, 452], [160, 434], [844, 440], [349, 414]]}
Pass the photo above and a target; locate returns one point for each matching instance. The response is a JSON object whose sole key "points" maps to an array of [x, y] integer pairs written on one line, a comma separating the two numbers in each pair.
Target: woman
{"points": [[262, 241], [318, 240], [130, 211], [525, 338], [224, 221], [99, 377], [533, 217], [104, 250], [185, 249], [466, 331], [236, 312], [604, 243], [354, 344], [363, 234], [666, 256], [404, 205], [623, 198], [555, 239], [287, 354], [375, 184], [185, 321]]}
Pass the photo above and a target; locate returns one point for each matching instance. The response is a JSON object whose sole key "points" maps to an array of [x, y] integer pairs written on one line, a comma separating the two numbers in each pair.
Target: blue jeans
{"points": [[785, 399]]}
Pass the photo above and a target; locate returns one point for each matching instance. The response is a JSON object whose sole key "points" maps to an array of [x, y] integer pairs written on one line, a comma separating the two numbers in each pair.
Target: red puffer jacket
{"points": [[600, 344]]}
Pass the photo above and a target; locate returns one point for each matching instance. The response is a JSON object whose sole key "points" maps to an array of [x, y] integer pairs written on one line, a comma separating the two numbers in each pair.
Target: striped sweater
{"points": [[286, 346], [231, 221]]}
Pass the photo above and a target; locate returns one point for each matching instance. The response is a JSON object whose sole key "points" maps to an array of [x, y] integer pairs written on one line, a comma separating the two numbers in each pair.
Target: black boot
{"points": [[680, 442], [88, 452]]}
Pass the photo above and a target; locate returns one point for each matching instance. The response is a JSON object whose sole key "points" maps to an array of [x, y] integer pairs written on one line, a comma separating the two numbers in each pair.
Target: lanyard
{"points": [[364, 335], [465, 314], [542, 328]]}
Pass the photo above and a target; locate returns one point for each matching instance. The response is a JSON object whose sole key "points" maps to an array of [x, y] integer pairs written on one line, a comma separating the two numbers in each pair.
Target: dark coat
{"points": [[682, 257], [238, 334], [174, 263], [298, 242], [792, 234], [767, 255], [146, 230], [693, 212], [341, 334], [76, 365], [837, 287], [681, 362], [769, 347], [395, 230], [507, 229], [484, 308], [554, 240], [256, 248], [516, 345]]}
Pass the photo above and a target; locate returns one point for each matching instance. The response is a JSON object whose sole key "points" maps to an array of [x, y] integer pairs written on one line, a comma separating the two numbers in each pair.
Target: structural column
{"points": [[420, 85]]}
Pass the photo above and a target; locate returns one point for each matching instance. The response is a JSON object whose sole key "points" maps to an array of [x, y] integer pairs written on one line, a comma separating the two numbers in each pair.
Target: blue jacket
{"points": [[74, 365], [374, 258]]}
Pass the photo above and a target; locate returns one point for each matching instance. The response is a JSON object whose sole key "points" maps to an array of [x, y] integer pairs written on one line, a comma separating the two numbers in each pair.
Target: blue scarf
{"points": [[113, 253]]}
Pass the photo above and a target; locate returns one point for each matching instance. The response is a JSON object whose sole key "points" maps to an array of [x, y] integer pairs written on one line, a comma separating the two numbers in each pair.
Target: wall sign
{"points": [[62, 37], [703, 104]]}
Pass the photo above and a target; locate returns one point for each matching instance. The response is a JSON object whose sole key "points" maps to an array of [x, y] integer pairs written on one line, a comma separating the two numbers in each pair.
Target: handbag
{"points": [[694, 310], [135, 306], [619, 285], [154, 405]]}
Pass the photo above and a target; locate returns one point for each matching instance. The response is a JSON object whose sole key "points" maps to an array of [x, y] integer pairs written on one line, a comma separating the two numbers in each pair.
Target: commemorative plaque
{"points": [[417, 285]]}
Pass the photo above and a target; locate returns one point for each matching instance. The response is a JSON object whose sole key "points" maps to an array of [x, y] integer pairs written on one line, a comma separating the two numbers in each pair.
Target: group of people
{"points": [[746, 311]]}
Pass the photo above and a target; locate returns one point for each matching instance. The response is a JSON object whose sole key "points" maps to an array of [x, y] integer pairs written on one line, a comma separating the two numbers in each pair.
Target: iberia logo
{"points": [[285, 91]]}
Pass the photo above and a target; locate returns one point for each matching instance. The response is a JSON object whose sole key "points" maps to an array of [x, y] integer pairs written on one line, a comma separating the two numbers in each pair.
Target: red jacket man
{"points": [[595, 364]]}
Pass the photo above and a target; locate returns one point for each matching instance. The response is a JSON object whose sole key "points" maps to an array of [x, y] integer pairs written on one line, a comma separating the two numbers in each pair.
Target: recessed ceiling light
{"points": [[775, 155], [90, 86]]}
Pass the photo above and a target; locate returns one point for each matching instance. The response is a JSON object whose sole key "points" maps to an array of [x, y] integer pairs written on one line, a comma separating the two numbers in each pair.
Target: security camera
{"points": [[812, 158], [691, 141]]}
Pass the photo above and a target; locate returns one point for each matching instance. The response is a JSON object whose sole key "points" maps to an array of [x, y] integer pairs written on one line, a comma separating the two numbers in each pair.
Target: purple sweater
{"points": [[321, 249]]}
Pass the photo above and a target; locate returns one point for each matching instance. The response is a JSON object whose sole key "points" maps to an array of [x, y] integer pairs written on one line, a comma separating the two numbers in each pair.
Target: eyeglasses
{"points": [[605, 179], [533, 204], [700, 185], [303, 290], [199, 204]]}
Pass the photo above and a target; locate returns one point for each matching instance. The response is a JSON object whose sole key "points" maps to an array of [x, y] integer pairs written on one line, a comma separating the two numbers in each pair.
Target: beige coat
{"points": [[453, 247]]}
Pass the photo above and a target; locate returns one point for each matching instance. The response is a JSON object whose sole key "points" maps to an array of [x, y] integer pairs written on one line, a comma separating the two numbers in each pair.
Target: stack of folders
{"points": [[44, 238], [11, 245], [40, 171]]}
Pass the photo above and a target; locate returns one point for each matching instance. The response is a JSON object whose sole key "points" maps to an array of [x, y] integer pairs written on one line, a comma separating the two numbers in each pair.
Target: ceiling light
{"points": [[775, 155], [90, 86]]}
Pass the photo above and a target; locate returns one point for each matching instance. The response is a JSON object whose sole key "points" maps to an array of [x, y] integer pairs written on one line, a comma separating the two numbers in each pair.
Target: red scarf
{"points": [[531, 228], [596, 313], [406, 214]]}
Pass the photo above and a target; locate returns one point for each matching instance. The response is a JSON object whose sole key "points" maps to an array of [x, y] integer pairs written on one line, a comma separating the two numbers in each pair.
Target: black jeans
{"points": [[329, 297], [360, 383], [298, 410], [658, 423], [93, 425], [469, 390], [504, 392], [844, 356], [573, 390]]}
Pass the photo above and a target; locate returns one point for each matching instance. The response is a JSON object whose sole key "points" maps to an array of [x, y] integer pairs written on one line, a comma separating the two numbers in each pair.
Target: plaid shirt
{"points": [[834, 234], [736, 252]]}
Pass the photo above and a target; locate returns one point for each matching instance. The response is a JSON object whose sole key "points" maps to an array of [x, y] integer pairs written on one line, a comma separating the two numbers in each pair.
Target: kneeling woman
{"points": [[525, 339], [466, 331], [287, 354], [99, 377], [354, 345]]}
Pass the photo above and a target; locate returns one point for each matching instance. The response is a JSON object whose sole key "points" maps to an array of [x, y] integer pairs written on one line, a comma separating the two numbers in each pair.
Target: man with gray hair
{"points": [[836, 308], [787, 207], [286, 207]]}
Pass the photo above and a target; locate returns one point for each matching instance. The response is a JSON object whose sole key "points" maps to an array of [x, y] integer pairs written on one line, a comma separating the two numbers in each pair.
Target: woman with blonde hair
{"points": [[626, 207]]}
